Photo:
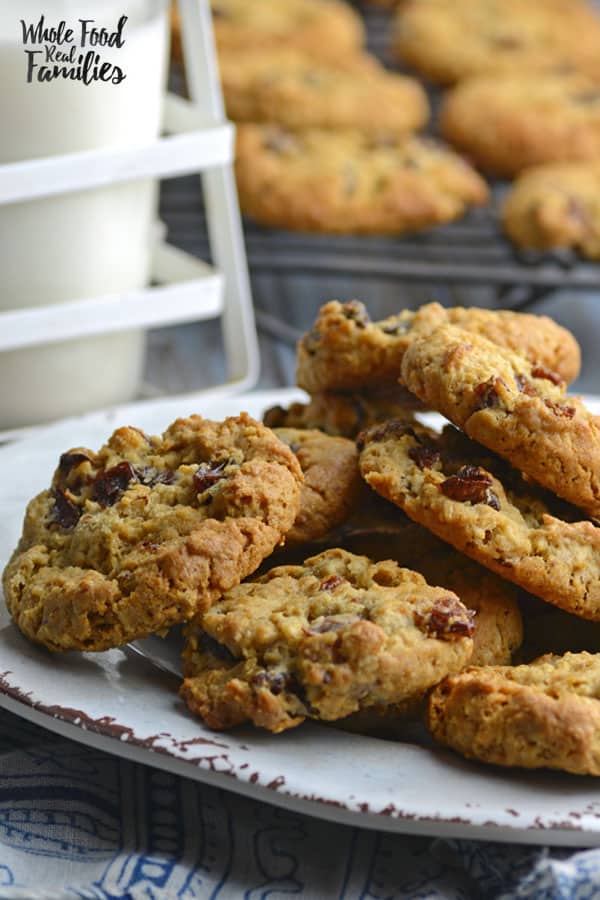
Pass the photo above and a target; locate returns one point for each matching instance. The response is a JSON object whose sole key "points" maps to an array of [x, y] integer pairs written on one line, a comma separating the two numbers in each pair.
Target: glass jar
{"points": [[89, 243]]}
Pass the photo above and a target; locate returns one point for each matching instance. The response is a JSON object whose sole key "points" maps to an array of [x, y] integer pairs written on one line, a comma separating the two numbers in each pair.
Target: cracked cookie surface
{"points": [[149, 531], [346, 182], [471, 498], [322, 640], [519, 411], [498, 626], [346, 351], [542, 715]]}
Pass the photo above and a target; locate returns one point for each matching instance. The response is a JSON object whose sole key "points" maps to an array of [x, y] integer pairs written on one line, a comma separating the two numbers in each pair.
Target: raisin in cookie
{"points": [[346, 351], [349, 182], [518, 410], [323, 640], [508, 124], [345, 415], [555, 207], [325, 28], [537, 716], [475, 501], [448, 42], [498, 632], [296, 91], [149, 531], [332, 482]]}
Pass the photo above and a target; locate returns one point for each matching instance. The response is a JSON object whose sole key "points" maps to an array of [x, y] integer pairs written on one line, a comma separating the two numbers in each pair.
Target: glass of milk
{"points": [[76, 75]]}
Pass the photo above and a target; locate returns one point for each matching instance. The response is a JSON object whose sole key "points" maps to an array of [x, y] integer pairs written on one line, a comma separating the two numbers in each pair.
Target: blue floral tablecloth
{"points": [[75, 822]]}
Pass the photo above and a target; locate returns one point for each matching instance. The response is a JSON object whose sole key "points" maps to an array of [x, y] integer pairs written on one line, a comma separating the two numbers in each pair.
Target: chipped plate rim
{"points": [[121, 704]]}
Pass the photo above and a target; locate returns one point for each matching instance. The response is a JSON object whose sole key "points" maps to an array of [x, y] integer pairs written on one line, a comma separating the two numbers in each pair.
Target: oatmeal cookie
{"points": [[348, 182], [447, 42], [332, 483], [554, 207], [295, 91], [471, 498], [537, 716], [323, 640], [149, 531], [345, 415], [508, 124], [346, 351], [324, 28], [498, 632], [515, 409]]}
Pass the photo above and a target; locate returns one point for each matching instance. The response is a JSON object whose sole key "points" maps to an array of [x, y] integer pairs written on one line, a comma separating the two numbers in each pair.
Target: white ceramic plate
{"points": [[123, 705]]}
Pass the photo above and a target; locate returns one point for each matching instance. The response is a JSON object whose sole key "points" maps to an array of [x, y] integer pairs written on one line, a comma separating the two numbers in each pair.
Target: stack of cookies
{"points": [[326, 135], [352, 565], [499, 506], [525, 102]]}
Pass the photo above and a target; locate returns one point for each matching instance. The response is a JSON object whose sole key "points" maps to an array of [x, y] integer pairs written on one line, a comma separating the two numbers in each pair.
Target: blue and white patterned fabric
{"points": [[75, 822]]}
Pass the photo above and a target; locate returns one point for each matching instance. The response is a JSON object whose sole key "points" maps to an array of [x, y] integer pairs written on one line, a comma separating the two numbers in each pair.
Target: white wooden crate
{"points": [[197, 138]]}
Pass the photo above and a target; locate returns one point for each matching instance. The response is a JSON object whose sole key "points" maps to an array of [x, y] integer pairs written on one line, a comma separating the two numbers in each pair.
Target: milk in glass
{"points": [[81, 244]]}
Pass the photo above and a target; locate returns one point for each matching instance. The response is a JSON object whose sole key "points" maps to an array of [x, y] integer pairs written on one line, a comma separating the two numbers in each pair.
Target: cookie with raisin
{"points": [[350, 182], [346, 351], [296, 91], [555, 207], [544, 715], [149, 531], [498, 631], [449, 42], [506, 125], [474, 500], [322, 640], [519, 410]]}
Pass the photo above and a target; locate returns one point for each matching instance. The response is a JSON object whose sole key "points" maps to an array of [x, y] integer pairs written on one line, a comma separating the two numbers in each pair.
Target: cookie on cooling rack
{"points": [[325, 28], [554, 207], [508, 124], [517, 410], [322, 640], [345, 415], [149, 531], [498, 625], [295, 91], [449, 42], [471, 498], [544, 715], [332, 483], [346, 351], [348, 182]]}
